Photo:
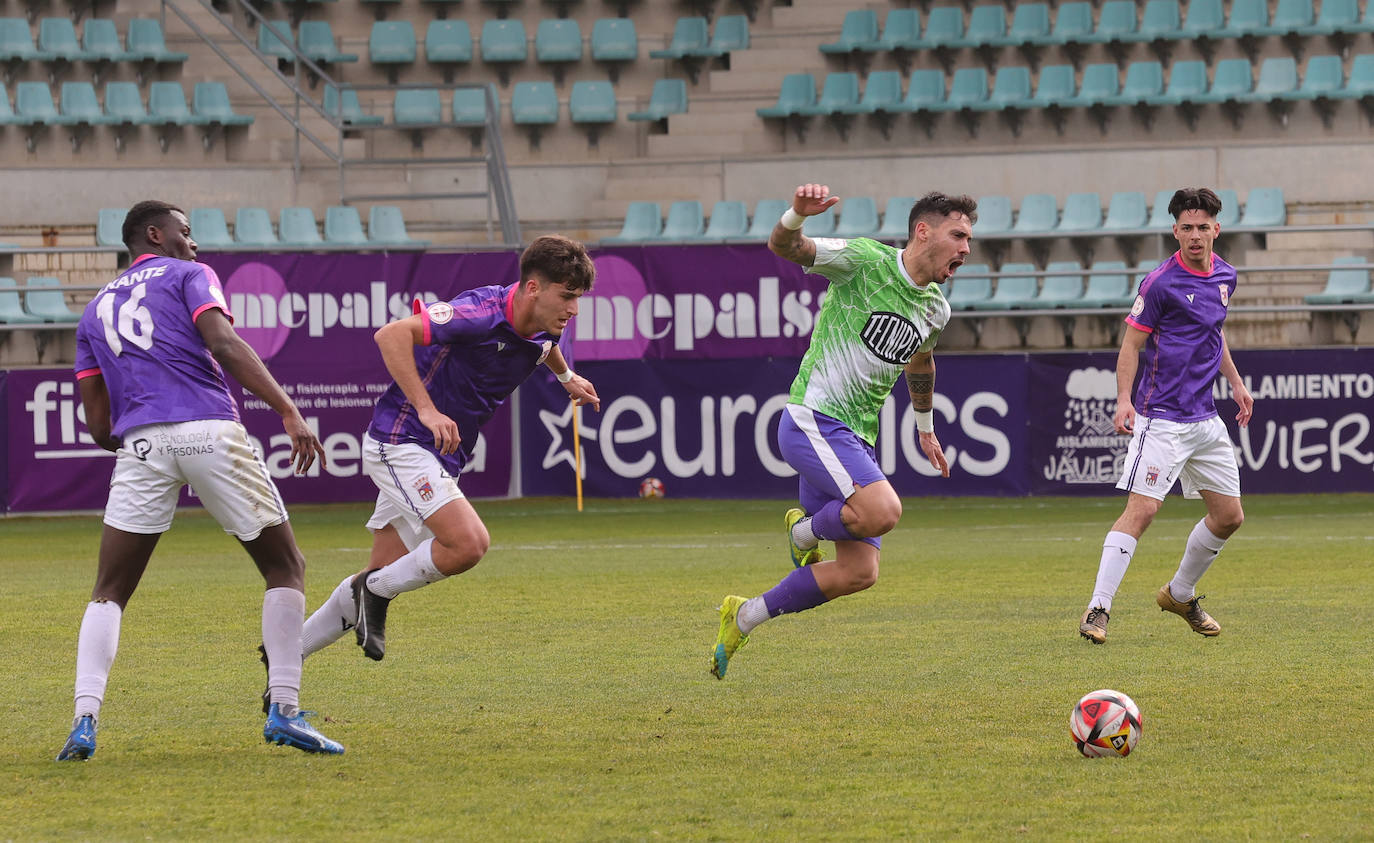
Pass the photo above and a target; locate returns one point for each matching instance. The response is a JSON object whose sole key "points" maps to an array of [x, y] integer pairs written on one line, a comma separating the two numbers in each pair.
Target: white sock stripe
{"points": [[805, 420]]}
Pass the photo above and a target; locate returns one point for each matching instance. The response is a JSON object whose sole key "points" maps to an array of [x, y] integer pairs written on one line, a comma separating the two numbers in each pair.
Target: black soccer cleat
{"points": [[370, 628]]}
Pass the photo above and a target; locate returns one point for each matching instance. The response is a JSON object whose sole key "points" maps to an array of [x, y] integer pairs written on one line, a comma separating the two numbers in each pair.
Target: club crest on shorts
{"points": [[1151, 475], [1225, 295], [424, 489]]}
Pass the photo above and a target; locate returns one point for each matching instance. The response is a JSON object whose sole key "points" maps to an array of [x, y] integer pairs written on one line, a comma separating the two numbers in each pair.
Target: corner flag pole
{"points": [[577, 454]]}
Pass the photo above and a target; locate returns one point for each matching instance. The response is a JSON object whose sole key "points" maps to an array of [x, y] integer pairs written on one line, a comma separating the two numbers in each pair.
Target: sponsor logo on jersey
{"points": [[440, 312], [891, 337], [1190, 298]]}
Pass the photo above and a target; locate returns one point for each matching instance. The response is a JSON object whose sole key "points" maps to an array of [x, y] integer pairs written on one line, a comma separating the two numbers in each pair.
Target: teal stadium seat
{"points": [[298, 228], [1160, 220], [1264, 208], [343, 226], [503, 44], [797, 93], [858, 218], [1144, 79], [80, 106], [685, 222], [1082, 214], [1110, 288], [968, 89], [1126, 211], [731, 33], [896, 213], [209, 228], [766, 215], [1073, 24], [558, 41], [1232, 82], [669, 96], [1360, 84], [1339, 20], [1321, 79], [100, 41], [729, 221], [211, 100], [994, 216], [1278, 75], [416, 107], [344, 106], [901, 32], [1159, 23], [820, 225], [1054, 85], [534, 104], [1038, 213], [1116, 23], [1247, 19], [643, 223], [11, 308], [57, 37], [253, 227], [690, 35], [1290, 17], [1230, 207], [276, 41], [1204, 19], [1060, 291], [1100, 83], [614, 43], [48, 302], [1015, 289], [592, 105], [1187, 83], [6, 108], [1030, 24], [839, 95], [859, 30], [987, 27], [448, 43], [109, 227], [16, 42], [387, 227], [147, 43], [972, 285], [470, 106], [1344, 285], [124, 104], [882, 93], [925, 91], [944, 27], [1011, 95], [317, 43], [391, 44], [34, 105]]}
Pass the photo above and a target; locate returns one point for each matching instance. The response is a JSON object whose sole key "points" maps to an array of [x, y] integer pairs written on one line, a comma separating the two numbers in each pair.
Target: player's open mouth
{"points": [[953, 265]]}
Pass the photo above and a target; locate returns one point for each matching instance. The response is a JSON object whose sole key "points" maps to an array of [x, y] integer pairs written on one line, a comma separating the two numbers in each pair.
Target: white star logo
{"points": [[559, 450]]}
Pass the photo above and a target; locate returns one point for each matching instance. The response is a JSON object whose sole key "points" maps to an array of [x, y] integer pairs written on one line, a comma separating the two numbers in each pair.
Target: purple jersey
{"points": [[471, 361], [1183, 312], [139, 333]]}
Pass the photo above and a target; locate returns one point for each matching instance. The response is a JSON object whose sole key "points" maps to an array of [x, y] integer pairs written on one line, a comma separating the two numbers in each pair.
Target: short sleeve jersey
{"points": [[873, 319], [472, 360], [139, 333], [1183, 312]]}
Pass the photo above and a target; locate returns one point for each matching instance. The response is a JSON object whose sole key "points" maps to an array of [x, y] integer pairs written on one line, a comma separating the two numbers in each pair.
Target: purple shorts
{"points": [[831, 459]]}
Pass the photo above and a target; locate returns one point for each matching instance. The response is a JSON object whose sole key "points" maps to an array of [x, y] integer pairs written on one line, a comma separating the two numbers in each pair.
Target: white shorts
{"points": [[213, 457], [1198, 454], [411, 486]]}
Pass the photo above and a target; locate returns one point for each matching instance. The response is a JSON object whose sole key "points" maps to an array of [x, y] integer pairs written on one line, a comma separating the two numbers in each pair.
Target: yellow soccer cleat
{"points": [[1197, 618], [729, 639], [800, 557]]}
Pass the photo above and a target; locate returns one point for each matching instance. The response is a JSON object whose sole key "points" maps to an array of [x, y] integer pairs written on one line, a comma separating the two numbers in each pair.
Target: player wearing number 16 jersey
{"points": [[151, 351]]}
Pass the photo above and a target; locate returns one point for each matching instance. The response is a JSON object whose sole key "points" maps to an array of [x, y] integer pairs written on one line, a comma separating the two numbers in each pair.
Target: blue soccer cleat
{"points": [[296, 731], [80, 743]]}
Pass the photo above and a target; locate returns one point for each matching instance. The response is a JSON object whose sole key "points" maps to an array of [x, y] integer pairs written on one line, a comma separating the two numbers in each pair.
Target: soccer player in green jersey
{"points": [[881, 318]]}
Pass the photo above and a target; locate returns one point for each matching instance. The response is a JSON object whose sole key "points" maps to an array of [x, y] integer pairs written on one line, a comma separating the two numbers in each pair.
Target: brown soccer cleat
{"points": [[1094, 625], [1201, 622]]}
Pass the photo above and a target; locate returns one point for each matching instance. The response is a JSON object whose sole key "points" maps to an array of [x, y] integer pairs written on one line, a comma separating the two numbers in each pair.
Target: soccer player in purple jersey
{"points": [[453, 362], [1176, 433], [151, 351]]}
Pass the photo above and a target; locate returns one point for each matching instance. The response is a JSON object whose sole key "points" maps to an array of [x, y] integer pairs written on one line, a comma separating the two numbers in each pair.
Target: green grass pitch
{"points": [[560, 690]]}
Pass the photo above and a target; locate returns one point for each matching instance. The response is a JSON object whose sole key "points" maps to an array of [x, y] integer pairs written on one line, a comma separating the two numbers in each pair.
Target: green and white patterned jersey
{"points": [[873, 319]]}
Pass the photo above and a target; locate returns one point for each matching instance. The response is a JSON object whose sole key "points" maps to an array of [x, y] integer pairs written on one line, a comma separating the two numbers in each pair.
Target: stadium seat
{"points": [[968, 89], [1073, 24], [901, 32], [147, 43], [211, 100], [1344, 285], [858, 218], [1126, 211], [1187, 82], [391, 44], [417, 107], [643, 222], [48, 303], [124, 108], [1360, 84], [317, 43], [1111, 288], [614, 43], [729, 220], [209, 228], [100, 41], [346, 107], [1054, 85], [1278, 75], [1060, 291], [882, 93], [1030, 24], [276, 41], [1015, 289], [972, 285], [987, 27], [387, 227], [820, 225], [797, 93], [1159, 25], [1159, 211], [1264, 208], [1230, 207], [669, 96], [840, 92], [1082, 214], [592, 105], [298, 228], [858, 31], [944, 26], [557, 42], [925, 91], [16, 41], [1232, 82], [766, 215], [1116, 23], [896, 214], [343, 226], [57, 37], [80, 107], [167, 104], [6, 109], [253, 227], [34, 105], [1038, 213], [994, 216], [1321, 79], [534, 103], [690, 35], [1144, 79], [1011, 95], [1100, 83], [109, 227], [448, 43], [1290, 17], [503, 44], [470, 106], [1204, 19], [11, 309], [731, 33], [684, 223], [1247, 19]]}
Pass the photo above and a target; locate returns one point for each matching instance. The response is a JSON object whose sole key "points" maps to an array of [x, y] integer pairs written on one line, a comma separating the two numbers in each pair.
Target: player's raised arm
{"points": [[787, 240], [397, 341], [920, 382]]}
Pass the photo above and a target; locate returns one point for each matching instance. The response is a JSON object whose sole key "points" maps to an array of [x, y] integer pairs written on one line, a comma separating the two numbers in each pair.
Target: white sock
{"points": [[335, 616], [802, 535], [1117, 551], [96, 646], [414, 570], [752, 613], [1203, 547], [283, 614]]}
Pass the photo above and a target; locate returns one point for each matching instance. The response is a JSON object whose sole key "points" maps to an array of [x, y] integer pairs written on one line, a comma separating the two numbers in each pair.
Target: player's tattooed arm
{"points": [[792, 245], [789, 242], [920, 382]]}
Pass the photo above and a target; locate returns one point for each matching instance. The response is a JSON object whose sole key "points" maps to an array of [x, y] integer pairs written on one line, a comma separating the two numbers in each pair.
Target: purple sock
{"points": [[827, 524], [797, 592]]}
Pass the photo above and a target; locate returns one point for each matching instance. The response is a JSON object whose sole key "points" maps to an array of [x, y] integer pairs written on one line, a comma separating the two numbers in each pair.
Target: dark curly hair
{"points": [[145, 213], [556, 259], [936, 206], [1195, 199]]}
